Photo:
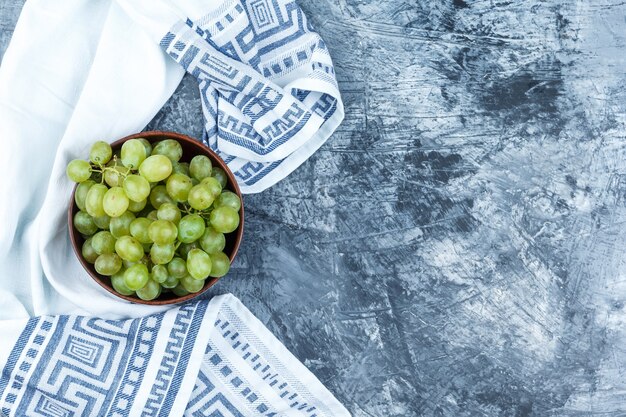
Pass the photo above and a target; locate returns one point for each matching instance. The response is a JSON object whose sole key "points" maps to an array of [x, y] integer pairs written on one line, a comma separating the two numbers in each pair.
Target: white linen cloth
{"points": [[78, 71]]}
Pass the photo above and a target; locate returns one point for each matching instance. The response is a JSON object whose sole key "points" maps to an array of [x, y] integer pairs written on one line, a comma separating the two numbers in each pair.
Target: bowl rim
{"points": [[154, 135]]}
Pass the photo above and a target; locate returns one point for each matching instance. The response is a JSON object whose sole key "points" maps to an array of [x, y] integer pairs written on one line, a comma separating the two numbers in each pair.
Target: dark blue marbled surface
{"points": [[457, 247]]}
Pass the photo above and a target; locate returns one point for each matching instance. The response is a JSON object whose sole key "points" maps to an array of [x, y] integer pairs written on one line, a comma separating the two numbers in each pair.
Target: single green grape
{"points": [[170, 212], [83, 222], [212, 241], [169, 148], [159, 196], [137, 206], [178, 187], [150, 291], [170, 282], [156, 168], [137, 188], [133, 153], [200, 197], [228, 199], [191, 284], [108, 264], [220, 264], [115, 202], [78, 170], [200, 167], [177, 268], [114, 175], [180, 291], [224, 219], [129, 249], [100, 153], [198, 264], [180, 168], [162, 254], [162, 232], [81, 193], [153, 215], [117, 281], [103, 242], [219, 174], [136, 276], [94, 199], [159, 273], [88, 252], [139, 229], [190, 228], [103, 222], [120, 226], [213, 185]]}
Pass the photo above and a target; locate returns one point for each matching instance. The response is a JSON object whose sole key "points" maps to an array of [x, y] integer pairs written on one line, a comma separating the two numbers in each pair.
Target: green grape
{"points": [[180, 168], [133, 153], [212, 241], [156, 168], [177, 268], [220, 264], [162, 232], [83, 222], [219, 174], [159, 273], [129, 249], [114, 175], [103, 242], [200, 197], [190, 228], [137, 188], [147, 145], [228, 199], [108, 264], [150, 291], [213, 185], [103, 222], [170, 212], [153, 215], [88, 252], [200, 167], [136, 277], [198, 264], [115, 202], [100, 153], [78, 170], [137, 206], [144, 260], [169, 148], [117, 281], [81, 193], [185, 248], [170, 282], [120, 226], [93, 201], [139, 229], [192, 285], [178, 187], [162, 254], [224, 219], [180, 291], [159, 196]]}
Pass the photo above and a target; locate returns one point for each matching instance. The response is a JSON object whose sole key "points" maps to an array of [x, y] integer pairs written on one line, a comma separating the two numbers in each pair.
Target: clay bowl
{"points": [[191, 148]]}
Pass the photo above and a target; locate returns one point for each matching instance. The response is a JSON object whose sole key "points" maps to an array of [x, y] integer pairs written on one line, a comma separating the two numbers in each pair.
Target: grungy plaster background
{"points": [[458, 247]]}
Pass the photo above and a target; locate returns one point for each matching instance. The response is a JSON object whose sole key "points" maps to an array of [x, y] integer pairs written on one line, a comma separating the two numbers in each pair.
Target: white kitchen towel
{"points": [[201, 359], [75, 72]]}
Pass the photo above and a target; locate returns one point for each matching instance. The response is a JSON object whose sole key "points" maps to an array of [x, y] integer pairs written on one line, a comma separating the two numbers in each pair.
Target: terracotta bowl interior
{"points": [[191, 148]]}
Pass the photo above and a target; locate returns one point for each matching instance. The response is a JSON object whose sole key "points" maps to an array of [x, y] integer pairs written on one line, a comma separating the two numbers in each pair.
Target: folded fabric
{"points": [[201, 359]]}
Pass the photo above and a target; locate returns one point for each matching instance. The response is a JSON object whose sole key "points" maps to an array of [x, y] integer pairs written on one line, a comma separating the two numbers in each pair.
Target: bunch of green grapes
{"points": [[151, 222]]}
